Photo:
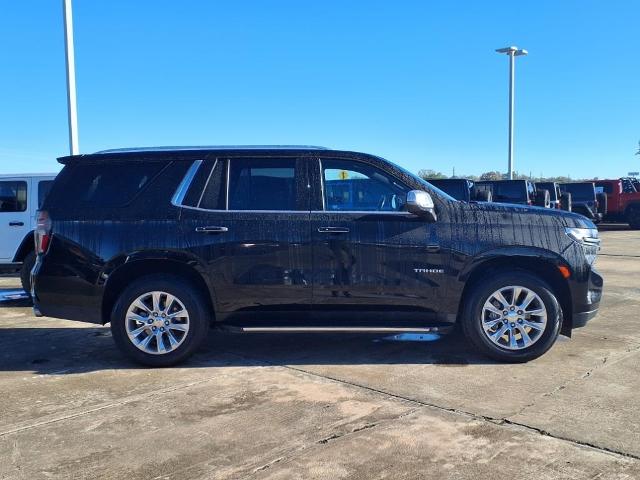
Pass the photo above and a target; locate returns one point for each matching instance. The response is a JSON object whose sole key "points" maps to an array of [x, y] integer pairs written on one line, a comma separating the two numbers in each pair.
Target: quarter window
{"points": [[262, 184], [355, 186], [13, 196]]}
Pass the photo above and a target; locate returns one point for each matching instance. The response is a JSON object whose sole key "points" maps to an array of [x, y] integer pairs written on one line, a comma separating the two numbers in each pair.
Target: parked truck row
{"points": [[601, 200]]}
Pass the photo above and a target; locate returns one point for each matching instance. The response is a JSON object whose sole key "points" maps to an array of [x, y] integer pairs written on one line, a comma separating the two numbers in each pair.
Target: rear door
{"points": [[247, 221], [14, 215], [369, 253]]}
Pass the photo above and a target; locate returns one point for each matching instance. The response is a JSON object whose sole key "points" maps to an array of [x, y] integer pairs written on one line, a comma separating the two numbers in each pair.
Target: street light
{"points": [[71, 77], [512, 52]]}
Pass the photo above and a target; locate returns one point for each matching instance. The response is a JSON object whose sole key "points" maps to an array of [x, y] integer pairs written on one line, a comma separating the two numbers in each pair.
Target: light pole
{"points": [[512, 52], [71, 78]]}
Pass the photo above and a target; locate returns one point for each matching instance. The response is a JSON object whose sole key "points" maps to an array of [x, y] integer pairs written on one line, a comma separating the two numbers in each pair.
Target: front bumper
{"points": [[586, 299]]}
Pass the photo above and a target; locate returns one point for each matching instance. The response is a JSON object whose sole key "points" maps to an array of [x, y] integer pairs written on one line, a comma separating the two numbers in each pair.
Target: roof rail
{"points": [[210, 147]]}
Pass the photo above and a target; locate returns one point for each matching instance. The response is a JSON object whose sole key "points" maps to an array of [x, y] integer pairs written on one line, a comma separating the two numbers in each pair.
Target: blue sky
{"points": [[416, 82]]}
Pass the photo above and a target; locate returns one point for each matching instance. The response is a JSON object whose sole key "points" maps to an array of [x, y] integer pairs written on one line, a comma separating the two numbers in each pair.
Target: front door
{"points": [[15, 220], [247, 221], [369, 252]]}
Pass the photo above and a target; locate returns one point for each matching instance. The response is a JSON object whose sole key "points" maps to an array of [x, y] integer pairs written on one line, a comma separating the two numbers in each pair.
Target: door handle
{"points": [[16, 224], [333, 230], [433, 248], [211, 229]]}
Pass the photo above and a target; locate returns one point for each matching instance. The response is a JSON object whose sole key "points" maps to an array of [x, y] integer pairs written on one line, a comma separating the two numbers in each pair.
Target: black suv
{"points": [[163, 243]]}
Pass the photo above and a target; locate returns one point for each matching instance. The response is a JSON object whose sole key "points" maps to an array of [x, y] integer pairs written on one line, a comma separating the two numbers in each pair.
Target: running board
{"points": [[298, 329]]}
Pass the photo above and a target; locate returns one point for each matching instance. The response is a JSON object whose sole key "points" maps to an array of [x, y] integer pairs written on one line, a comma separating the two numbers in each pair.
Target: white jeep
{"points": [[20, 197]]}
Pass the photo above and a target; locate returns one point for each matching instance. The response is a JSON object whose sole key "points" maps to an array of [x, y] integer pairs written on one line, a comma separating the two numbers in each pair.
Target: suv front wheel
{"points": [[512, 317], [159, 320]]}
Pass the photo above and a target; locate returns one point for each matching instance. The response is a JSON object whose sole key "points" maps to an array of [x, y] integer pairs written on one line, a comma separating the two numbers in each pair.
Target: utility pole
{"points": [[512, 52], [71, 78]]}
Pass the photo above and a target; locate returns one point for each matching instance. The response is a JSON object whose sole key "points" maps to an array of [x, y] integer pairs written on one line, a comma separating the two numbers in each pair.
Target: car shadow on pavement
{"points": [[60, 350]]}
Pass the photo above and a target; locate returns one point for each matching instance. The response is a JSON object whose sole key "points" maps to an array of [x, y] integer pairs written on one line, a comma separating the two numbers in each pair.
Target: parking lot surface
{"points": [[304, 406]]}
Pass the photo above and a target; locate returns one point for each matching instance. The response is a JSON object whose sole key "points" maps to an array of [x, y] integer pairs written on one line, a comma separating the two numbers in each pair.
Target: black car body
{"points": [[297, 238], [583, 199]]}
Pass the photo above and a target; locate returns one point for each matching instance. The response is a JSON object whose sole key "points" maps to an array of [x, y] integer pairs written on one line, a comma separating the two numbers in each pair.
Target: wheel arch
{"points": [[131, 269], [27, 245], [545, 266]]}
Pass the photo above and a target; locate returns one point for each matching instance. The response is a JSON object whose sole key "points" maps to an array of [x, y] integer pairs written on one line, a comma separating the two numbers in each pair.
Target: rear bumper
{"points": [[64, 296]]}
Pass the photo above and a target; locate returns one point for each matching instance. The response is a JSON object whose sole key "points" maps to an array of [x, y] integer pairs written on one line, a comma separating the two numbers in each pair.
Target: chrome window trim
{"points": [[206, 184], [306, 212], [226, 186], [324, 206], [181, 191]]}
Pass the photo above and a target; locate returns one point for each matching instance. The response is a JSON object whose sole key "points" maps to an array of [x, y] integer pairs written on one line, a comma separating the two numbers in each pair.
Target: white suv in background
{"points": [[20, 197]]}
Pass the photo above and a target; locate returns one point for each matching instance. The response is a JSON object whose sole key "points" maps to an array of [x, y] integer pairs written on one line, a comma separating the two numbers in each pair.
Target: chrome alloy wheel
{"points": [[157, 322], [514, 317]]}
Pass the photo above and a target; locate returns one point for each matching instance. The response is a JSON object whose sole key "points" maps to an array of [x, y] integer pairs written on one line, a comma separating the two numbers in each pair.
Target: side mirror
{"points": [[420, 203]]}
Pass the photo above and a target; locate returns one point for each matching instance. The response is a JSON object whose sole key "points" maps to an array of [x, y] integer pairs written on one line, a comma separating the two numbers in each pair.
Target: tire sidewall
{"points": [[472, 320], [25, 271], [182, 290]]}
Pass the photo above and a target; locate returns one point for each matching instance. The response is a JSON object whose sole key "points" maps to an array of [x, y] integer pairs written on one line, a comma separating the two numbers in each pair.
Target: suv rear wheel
{"points": [[159, 320], [25, 271], [512, 317]]}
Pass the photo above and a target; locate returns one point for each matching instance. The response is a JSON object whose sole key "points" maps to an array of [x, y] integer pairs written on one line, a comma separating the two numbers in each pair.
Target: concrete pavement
{"points": [[326, 406]]}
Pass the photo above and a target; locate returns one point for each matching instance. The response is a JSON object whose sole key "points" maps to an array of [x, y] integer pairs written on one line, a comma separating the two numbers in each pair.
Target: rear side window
{"points": [[207, 189], [43, 190], [109, 184], [13, 196], [262, 184]]}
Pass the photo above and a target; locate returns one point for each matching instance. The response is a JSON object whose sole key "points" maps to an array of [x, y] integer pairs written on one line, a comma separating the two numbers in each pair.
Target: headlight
{"points": [[586, 236]]}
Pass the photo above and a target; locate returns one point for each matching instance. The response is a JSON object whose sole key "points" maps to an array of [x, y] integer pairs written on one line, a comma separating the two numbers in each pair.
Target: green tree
{"points": [[427, 174], [491, 176]]}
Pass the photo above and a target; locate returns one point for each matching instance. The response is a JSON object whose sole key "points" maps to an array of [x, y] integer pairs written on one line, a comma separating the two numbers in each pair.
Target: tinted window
{"points": [[13, 196], [580, 191], [207, 188], [262, 184], [43, 189], [604, 188], [355, 186], [109, 184], [507, 191], [457, 189]]}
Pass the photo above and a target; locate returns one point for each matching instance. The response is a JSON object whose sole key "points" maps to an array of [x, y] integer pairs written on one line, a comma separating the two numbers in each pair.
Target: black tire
{"points": [[633, 217], [543, 198], [192, 300], [566, 202], [481, 292], [25, 271], [602, 203]]}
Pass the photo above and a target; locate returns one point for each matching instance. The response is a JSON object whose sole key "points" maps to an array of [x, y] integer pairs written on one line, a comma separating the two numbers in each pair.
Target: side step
{"points": [[333, 329]]}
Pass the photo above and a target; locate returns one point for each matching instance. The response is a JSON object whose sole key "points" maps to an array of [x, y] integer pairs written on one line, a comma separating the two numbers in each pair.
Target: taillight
{"points": [[42, 233]]}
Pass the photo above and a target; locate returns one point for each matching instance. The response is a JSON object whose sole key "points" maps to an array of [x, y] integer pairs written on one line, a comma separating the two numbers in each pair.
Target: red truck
{"points": [[621, 205]]}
